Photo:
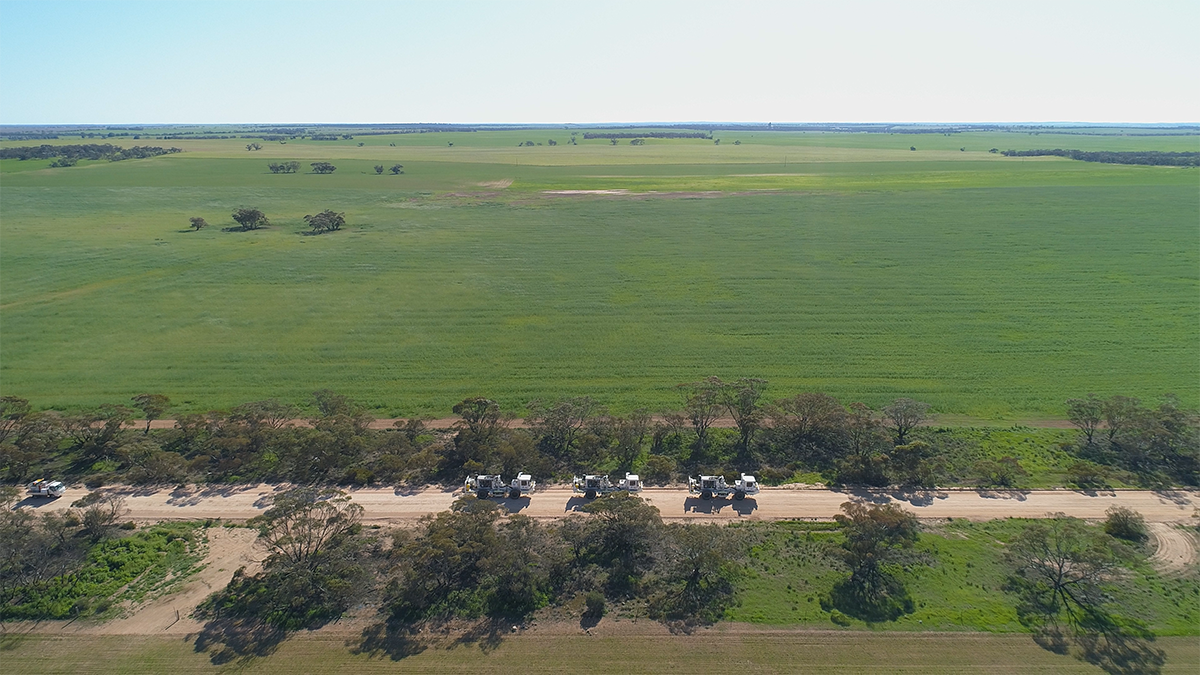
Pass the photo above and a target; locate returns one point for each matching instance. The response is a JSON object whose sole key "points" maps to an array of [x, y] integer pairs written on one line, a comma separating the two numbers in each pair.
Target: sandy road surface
{"points": [[398, 505]]}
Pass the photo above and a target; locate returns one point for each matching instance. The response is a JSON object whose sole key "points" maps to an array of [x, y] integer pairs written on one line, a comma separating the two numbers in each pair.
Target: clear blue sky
{"points": [[512, 62]]}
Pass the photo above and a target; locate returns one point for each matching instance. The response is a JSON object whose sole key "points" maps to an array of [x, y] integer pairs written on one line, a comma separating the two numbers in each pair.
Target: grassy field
{"points": [[962, 590], [989, 286], [628, 654]]}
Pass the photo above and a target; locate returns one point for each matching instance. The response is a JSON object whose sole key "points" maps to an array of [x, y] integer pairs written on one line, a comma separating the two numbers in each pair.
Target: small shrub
{"points": [[129, 525], [594, 603], [839, 618], [1125, 523]]}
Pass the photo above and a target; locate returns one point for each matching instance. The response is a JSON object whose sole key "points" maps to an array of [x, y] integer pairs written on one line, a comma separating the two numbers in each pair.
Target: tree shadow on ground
{"points": [[397, 641], [238, 639], [1115, 652], [869, 495], [999, 493], [917, 496], [387, 639], [487, 634], [887, 606], [1119, 654]]}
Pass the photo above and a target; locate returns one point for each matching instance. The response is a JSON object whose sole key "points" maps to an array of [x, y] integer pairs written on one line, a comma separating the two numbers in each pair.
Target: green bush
{"points": [[594, 603]]}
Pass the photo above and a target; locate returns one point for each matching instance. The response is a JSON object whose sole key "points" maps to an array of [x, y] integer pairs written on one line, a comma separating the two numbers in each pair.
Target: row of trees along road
{"points": [[472, 563], [808, 432]]}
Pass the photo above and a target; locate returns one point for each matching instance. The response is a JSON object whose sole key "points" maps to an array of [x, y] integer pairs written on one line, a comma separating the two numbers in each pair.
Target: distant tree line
{"points": [[284, 167], [107, 151], [775, 439], [1149, 157], [651, 134]]}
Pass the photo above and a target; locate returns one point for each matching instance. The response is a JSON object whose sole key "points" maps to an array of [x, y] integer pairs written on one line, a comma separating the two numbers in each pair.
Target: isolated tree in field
{"points": [[1086, 413], [152, 406], [197, 223], [250, 219], [379, 169], [876, 537], [905, 415], [1062, 570], [551, 142], [253, 146], [284, 167], [612, 141], [323, 167], [397, 169], [326, 221]]}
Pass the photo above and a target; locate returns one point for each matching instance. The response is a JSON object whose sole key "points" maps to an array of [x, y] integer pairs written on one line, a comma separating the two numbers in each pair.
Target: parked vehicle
{"points": [[592, 485], [715, 486], [492, 485], [46, 488]]}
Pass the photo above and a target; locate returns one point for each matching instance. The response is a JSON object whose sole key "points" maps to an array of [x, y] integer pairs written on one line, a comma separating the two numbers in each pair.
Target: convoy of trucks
{"points": [[591, 486]]}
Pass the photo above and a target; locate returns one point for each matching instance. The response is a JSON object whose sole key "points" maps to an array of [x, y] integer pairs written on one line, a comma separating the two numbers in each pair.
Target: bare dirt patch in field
{"points": [[228, 549], [1174, 548]]}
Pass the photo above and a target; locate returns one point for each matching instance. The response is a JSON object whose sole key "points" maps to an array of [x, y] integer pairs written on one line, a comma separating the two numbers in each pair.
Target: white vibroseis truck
{"points": [[715, 486], [492, 485], [592, 486]]}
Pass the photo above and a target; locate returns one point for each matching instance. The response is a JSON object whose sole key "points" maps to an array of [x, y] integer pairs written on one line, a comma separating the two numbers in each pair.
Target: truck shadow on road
{"points": [[743, 507], [514, 505], [35, 502], [576, 504]]}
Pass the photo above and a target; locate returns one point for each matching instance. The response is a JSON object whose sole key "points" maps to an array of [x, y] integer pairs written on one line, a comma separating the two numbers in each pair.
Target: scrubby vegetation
{"points": [[67, 565], [809, 437], [94, 151], [476, 569]]}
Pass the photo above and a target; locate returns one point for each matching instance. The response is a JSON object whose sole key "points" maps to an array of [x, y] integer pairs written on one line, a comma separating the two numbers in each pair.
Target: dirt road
{"points": [[385, 505]]}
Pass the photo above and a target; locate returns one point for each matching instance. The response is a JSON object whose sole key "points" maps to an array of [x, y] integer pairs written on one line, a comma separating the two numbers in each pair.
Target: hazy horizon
{"points": [[533, 62]]}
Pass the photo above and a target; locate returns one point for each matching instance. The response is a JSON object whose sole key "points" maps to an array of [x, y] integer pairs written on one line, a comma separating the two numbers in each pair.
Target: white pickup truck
{"points": [[46, 488]]}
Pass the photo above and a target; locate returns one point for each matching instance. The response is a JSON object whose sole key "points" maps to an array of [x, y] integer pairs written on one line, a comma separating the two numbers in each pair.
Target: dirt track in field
{"points": [[1174, 548], [394, 505]]}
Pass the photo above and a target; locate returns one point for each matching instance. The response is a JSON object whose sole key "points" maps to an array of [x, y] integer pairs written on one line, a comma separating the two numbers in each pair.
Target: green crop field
{"points": [[627, 652], [988, 286]]}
